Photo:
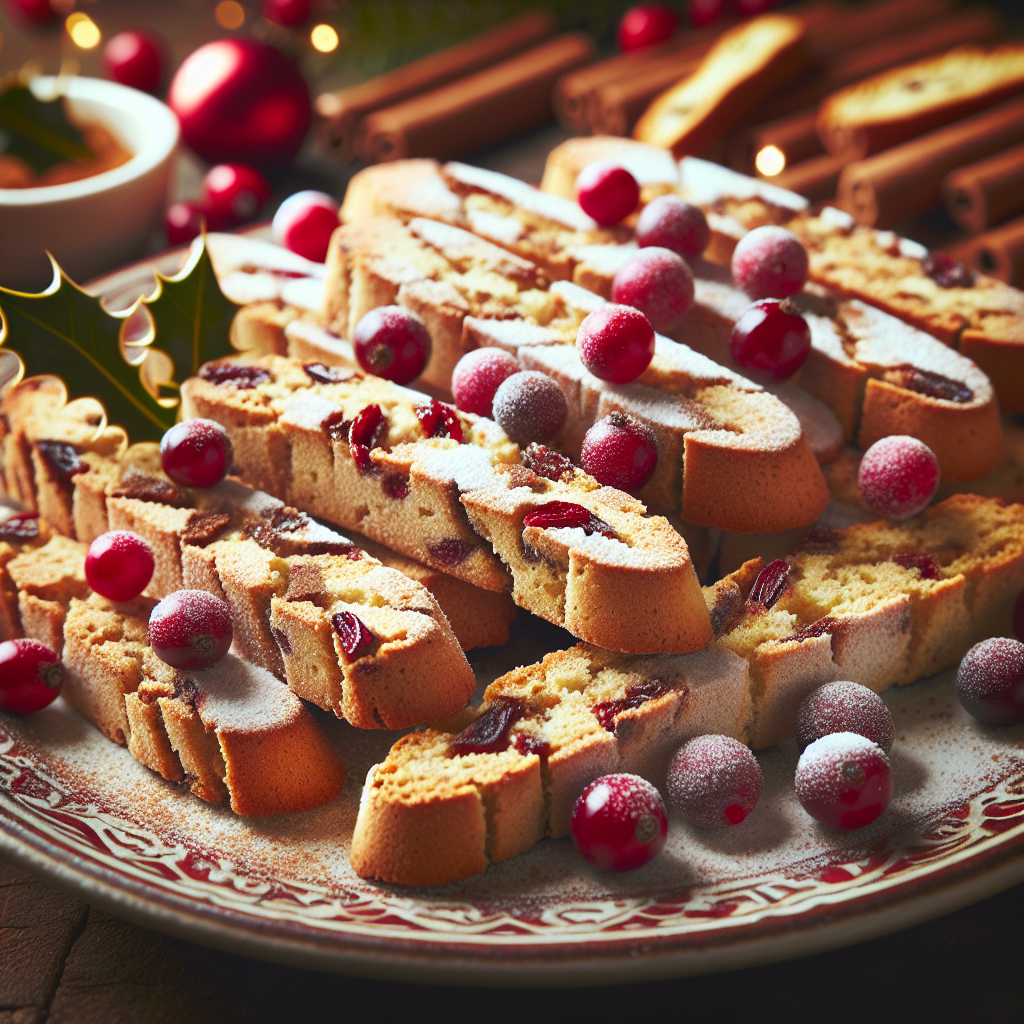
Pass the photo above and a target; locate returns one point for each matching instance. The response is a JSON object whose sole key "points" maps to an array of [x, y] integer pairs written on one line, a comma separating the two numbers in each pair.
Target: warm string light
{"points": [[83, 31], [229, 14], [770, 161], [324, 38]]}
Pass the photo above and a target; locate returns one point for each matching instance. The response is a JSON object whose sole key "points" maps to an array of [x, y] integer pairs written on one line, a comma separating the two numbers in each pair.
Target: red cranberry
{"points": [[769, 263], [190, 629], [1018, 616], [898, 476], [235, 192], [844, 707], [439, 420], [646, 25], [32, 12], [619, 822], [286, 12], [365, 434], [119, 565], [555, 515], [392, 343], [488, 734], [196, 453], [771, 583], [135, 58], [20, 526], [672, 223], [714, 781], [659, 283], [477, 376], [990, 681], [844, 780], [616, 343], [30, 676], [946, 271], [607, 192], [771, 339], [704, 12], [184, 221], [619, 451], [529, 406], [305, 222], [354, 635]]}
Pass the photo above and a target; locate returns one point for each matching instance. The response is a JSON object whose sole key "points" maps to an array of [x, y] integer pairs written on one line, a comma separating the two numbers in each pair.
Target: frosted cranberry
{"points": [[646, 25], [659, 283], [898, 476], [235, 192], [30, 676], [704, 12], [619, 451], [190, 629], [616, 343], [619, 822], [286, 12], [769, 263], [530, 407], [714, 781], [119, 565], [672, 223], [196, 453], [555, 515], [990, 681], [477, 375], [771, 339], [392, 343], [607, 192], [305, 222], [135, 58], [184, 221], [1018, 616], [844, 707], [844, 780], [354, 635]]}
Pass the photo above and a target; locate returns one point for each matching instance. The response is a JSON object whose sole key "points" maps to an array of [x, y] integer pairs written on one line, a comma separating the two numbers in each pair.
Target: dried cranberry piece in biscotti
{"points": [[61, 459], [637, 695], [363, 435], [323, 374], [19, 527], [946, 271], [439, 420], [934, 385], [239, 376], [451, 551], [548, 463], [355, 636], [819, 627], [555, 515], [925, 563], [770, 584], [488, 734], [396, 486]]}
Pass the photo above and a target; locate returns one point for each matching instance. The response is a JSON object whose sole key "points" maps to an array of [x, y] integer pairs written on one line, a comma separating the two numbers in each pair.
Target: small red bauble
{"points": [[619, 451], [196, 453], [844, 706], [393, 343], [530, 406], [672, 223], [184, 221], [305, 222], [190, 629], [235, 192], [477, 376], [659, 283], [619, 822], [771, 339], [32, 12], [645, 25], [704, 12], [30, 676], [607, 192], [616, 343], [990, 681], [119, 565], [844, 780], [241, 100], [714, 781], [1018, 616], [898, 476], [135, 58], [286, 12], [769, 263]]}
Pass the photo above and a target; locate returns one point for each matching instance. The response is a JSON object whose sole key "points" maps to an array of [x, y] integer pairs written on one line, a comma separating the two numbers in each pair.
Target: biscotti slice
{"points": [[744, 64], [20, 532], [231, 731], [492, 781]]}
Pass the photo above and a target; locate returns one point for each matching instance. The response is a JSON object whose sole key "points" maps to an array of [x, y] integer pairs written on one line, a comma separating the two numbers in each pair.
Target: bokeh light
{"points": [[770, 161], [324, 38], [229, 14], [83, 30]]}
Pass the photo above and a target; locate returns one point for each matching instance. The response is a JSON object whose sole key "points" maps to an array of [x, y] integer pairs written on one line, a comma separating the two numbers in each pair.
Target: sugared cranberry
{"points": [[477, 375], [184, 221], [659, 283], [771, 339], [769, 263], [488, 734], [30, 676], [844, 780], [20, 526], [619, 451], [770, 584], [196, 453], [354, 635], [235, 192], [364, 434], [305, 222], [119, 565], [286, 12], [990, 681], [946, 271], [530, 406], [619, 822], [616, 343], [646, 25], [844, 707], [1018, 616], [135, 58], [672, 223], [555, 515], [439, 420], [392, 343], [704, 12], [898, 476], [714, 781], [190, 629], [607, 192]]}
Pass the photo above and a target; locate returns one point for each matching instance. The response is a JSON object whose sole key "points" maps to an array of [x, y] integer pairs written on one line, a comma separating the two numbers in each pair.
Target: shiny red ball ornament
{"points": [[35, 13], [241, 100], [286, 12], [235, 192], [646, 25], [30, 676], [135, 58]]}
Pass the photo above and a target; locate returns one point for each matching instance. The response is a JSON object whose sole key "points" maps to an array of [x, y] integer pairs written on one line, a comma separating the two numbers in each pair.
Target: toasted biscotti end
{"points": [[996, 344]]}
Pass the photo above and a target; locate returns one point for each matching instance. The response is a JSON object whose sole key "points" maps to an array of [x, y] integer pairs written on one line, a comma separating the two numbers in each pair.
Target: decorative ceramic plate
{"points": [[80, 811]]}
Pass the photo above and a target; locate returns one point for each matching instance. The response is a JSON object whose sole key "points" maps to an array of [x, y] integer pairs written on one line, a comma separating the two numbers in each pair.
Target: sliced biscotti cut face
{"points": [[488, 783], [20, 532]]}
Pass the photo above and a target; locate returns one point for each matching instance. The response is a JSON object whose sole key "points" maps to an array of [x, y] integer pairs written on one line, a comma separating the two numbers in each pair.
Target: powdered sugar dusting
{"points": [[236, 696], [703, 183], [307, 410]]}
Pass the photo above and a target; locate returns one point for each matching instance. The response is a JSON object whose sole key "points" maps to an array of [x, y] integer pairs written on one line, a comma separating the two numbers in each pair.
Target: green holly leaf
{"points": [[37, 131]]}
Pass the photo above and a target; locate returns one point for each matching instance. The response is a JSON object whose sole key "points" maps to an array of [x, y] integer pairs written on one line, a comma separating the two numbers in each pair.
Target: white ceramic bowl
{"points": [[97, 223]]}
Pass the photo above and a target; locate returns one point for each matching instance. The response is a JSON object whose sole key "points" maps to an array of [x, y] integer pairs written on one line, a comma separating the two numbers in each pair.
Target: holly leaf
{"points": [[65, 331], [37, 131]]}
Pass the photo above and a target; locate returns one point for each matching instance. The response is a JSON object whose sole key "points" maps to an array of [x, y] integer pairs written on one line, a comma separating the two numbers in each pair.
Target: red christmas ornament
{"points": [[286, 12], [31, 12], [235, 192], [239, 100], [135, 58], [646, 25]]}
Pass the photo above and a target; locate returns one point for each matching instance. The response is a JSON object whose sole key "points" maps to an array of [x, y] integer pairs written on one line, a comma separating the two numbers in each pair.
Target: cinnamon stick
{"points": [[900, 183], [342, 110], [813, 179], [796, 137], [998, 253], [869, 23], [987, 192], [476, 110]]}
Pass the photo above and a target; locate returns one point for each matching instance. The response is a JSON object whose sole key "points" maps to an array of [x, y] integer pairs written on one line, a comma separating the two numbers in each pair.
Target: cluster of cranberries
{"points": [[232, 193]]}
